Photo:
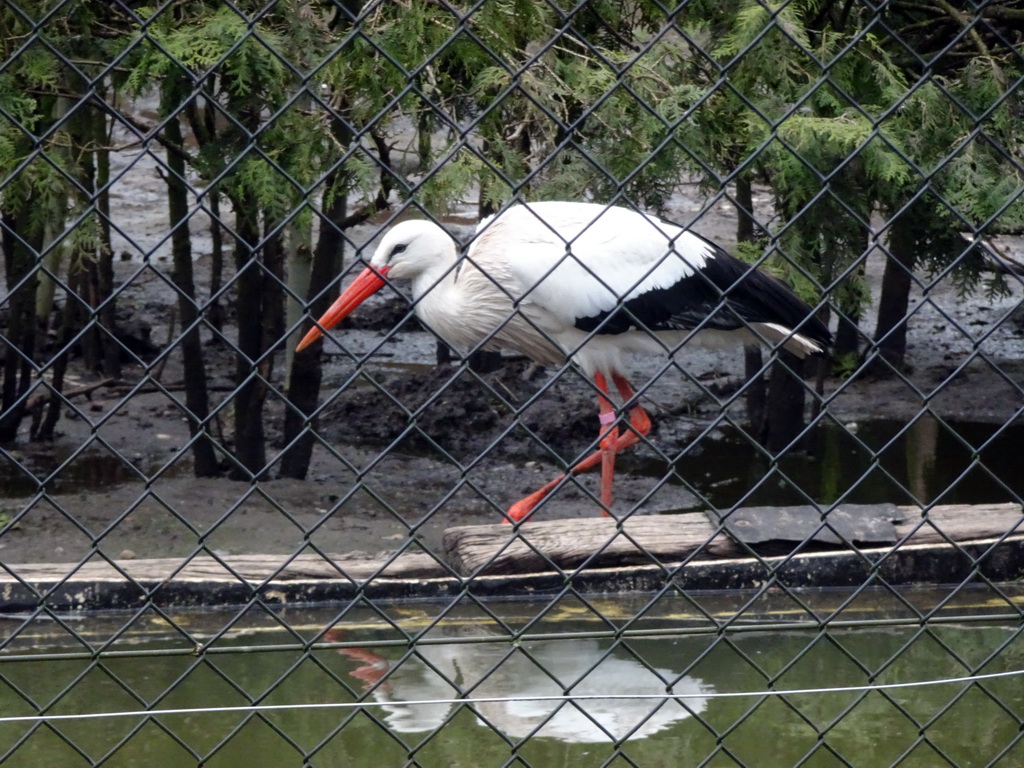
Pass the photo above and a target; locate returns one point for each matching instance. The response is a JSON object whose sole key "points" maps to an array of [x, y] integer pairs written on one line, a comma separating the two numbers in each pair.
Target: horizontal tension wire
{"points": [[509, 699]]}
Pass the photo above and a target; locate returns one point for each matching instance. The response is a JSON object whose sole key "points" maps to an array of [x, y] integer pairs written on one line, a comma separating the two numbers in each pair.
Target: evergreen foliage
{"points": [[843, 112]]}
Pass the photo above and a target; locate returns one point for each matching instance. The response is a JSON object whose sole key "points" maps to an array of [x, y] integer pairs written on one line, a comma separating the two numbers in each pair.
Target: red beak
{"points": [[370, 281]]}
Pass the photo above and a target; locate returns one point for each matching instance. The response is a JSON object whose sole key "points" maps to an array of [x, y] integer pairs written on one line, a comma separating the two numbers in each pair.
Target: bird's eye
{"points": [[400, 248]]}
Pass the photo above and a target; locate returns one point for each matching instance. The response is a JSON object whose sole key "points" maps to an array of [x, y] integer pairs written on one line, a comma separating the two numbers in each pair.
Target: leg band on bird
{"points": [[639, 426]]}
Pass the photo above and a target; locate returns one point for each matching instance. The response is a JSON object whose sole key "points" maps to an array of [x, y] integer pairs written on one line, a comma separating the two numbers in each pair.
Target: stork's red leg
{"points": [[638, 418], [608, 440], [640, 426]]}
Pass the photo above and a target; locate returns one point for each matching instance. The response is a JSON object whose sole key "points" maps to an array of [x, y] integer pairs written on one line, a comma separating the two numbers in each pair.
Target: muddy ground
{"points": [[409, 448]]}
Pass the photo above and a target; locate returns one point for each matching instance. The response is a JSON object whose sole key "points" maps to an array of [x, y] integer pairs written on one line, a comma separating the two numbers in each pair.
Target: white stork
{"points": [[558, 280]]}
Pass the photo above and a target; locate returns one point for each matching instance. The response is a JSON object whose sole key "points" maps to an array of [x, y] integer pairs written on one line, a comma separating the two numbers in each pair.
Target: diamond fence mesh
{"points": [[807, 563]]}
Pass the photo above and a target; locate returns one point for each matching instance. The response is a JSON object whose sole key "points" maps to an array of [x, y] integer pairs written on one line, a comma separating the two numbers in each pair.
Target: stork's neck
{"points": [[437, 274]]}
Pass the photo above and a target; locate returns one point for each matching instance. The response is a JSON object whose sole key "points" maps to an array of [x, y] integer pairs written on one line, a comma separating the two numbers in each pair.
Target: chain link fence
{"points": [[806, 563]]}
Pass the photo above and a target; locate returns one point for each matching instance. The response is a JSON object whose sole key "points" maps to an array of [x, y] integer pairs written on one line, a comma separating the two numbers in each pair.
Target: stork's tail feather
{"points": [[796, 342]]}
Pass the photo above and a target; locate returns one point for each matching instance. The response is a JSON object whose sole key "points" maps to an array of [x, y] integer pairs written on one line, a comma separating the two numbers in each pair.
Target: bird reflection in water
{"points": [[435, 674]]}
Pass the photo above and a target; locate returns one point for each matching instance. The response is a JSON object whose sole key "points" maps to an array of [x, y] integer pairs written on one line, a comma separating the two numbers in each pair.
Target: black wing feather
{"points": [[726, 295]]}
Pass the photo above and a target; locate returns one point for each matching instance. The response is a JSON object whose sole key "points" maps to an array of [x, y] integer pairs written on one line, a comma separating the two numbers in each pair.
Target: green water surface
{"points": [[688, 645]]}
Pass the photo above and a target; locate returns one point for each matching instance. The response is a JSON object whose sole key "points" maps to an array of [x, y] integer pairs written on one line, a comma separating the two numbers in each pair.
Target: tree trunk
{"points": [[47, 426], [105, 266], [744, 209], [849, 337], [51, 262], [100, 347], [785, 403], [83, 263], [250, 451], [300, 266], [306, 371], [204, 129], [196, 395], [21, 248], [891, 328], [215, 308], [757, 384], [89, 293], [52, 255], [756, 391], [272, 301], [848, 333]]}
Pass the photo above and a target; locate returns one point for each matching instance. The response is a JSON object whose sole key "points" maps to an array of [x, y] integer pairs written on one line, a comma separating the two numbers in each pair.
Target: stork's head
{"points": [[409, 249]]}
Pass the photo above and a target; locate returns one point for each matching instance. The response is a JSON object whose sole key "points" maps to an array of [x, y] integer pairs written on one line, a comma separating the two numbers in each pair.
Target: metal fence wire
{"points": [[805, 562]]}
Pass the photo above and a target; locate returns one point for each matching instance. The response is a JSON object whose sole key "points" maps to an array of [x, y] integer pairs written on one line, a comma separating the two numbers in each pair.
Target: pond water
{"points": [[396, 698], [948, 462]]}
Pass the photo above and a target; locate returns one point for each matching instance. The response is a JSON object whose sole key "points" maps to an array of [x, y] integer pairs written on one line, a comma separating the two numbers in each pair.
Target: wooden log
{"points": [[252, 569], [959, 522], [946, 544], [769, 530], [568, 544]]}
